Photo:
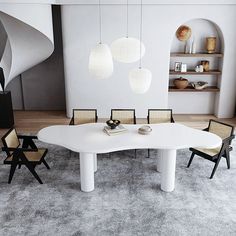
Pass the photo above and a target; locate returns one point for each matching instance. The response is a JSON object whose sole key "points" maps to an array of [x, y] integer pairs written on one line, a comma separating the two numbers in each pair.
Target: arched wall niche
{"points": [[201, 28], [197, 102]]}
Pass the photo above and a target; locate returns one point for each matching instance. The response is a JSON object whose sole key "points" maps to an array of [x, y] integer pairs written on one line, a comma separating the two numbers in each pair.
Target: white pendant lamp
{"points": [[127, 49], [100, 62], [140, 79], [100, 59]]}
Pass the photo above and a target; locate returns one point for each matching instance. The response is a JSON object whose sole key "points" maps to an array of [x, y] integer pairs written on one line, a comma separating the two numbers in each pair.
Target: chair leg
{"points": [[19, 166], [191, 159], [135, 153], [215, 167], [12, 171], [33, 172], [46, 164], [148, 153], [227, 158]]}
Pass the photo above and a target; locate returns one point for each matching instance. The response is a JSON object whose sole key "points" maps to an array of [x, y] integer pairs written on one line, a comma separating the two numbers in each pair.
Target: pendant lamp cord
{"points": [[100, 22], [127, 19], [141, 32]]}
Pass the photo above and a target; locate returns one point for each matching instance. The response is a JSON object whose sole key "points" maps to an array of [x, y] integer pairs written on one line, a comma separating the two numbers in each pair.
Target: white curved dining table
{"points": [[89, 140]]}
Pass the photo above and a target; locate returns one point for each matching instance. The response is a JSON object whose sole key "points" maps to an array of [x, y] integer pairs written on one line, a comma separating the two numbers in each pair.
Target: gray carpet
{"points": [[127, 199]]}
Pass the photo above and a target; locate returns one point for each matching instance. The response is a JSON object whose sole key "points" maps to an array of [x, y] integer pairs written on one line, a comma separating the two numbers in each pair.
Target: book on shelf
{"points": [[118, 130]]}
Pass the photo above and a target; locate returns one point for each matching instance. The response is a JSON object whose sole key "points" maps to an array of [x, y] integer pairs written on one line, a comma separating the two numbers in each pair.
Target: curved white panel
{"points": [[30, 37]]}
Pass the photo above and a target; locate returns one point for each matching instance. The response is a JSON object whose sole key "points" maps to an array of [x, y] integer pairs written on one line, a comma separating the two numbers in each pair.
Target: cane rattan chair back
{"points": [[125, 116], [11, 140], [221, 129], [156, 116], [83, 116]]}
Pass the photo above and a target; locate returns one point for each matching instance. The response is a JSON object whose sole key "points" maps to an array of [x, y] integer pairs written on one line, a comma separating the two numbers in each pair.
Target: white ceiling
{"points": [[155, 2]]}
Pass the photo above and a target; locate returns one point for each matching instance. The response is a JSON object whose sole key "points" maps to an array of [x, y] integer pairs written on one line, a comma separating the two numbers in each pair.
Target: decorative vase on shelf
{"points": [[193, 46], [199, 68], [181, 83], [205, 65], [188, 47], [211, 44]]}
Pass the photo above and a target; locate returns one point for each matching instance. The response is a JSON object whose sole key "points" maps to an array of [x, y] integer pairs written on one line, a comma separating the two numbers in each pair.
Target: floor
{"points": [[127, 199]]}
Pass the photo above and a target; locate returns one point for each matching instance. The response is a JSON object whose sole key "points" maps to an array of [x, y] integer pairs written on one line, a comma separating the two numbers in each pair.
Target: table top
{"points": [[91, 138]]}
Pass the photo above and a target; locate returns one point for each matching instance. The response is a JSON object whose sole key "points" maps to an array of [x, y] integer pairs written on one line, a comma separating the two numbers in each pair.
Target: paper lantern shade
{"points": [[127, 50], [100, 62], [140, 80]]}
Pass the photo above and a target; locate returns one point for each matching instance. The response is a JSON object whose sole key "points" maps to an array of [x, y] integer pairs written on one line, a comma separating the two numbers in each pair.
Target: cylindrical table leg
{"points": [[95, 162], [168, 170], [87, 171], [159, 160]]}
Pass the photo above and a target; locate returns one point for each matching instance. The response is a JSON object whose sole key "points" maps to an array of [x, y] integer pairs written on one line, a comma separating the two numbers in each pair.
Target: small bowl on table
{"points": [[113, 123], [145, 130]]}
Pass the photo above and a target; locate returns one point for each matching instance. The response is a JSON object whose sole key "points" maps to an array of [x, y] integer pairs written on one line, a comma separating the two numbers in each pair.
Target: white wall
{"points": [[80, 34], [207, 2]]}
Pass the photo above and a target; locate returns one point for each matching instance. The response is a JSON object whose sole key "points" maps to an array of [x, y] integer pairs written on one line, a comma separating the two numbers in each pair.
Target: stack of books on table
{"points": [[118, 130]]}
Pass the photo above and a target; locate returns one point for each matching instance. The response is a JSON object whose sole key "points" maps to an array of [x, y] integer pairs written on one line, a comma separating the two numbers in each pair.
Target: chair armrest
{"points": [[71, 121], [172, 120], [206, 129], [230, 138], [19, 149], [28, 141], [27, 137]]}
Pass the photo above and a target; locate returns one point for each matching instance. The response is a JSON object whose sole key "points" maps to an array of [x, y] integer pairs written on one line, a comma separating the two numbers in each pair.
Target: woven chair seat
{"points": [[31, 156], [209, 151]]}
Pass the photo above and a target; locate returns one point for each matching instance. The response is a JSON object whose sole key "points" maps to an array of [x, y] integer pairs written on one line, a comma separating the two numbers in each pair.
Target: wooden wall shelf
{"points": [[181, 54], [192, 72], [191, 89]]}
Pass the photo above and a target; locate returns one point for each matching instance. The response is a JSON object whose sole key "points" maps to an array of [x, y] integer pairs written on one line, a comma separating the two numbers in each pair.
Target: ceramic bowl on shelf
{"points": [[181, 83], [199, 85], [113, 123], [145, 129]]}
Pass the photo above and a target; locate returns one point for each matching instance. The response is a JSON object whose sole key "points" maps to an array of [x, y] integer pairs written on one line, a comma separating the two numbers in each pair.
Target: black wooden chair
{"points": [[157, 116], [26, 154], [225, 131], [125, 116], [83, 116]]}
